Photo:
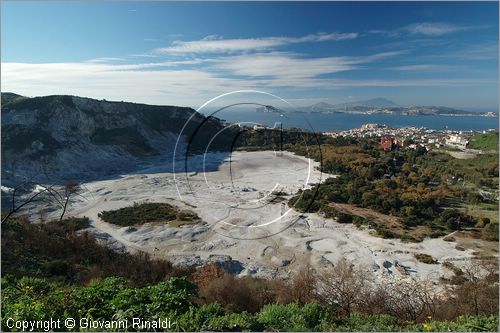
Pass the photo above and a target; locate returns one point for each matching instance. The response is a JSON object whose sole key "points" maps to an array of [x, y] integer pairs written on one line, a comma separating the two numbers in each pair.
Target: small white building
{"points": [[259, 127], [457, 140]]}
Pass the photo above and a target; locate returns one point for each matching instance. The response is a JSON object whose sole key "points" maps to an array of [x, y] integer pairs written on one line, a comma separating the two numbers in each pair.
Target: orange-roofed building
{"points": [[386, 143]]}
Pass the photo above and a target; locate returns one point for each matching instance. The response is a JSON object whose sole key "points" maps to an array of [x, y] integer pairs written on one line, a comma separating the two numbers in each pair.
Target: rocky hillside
{"points": [[67, 137]]}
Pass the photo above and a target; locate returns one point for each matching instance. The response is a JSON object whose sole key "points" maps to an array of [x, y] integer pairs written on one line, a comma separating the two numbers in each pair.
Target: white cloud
{"points": [[289, 66], [434, 29], [116, 82], [484, 51], [105, 59], [455, 82], [215, 44], [193, 81], [426, 29], [426, 68], [140, 83]]}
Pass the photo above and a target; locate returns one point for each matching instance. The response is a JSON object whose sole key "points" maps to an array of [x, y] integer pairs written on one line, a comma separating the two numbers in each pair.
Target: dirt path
{"points": [[379, 218]]}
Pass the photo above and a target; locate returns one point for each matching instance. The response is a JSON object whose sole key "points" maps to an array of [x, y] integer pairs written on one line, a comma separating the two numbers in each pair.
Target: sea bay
{"points": [[344, 121]]}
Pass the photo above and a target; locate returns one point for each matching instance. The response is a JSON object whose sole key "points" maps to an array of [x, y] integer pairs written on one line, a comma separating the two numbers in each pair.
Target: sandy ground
{"points": [[261, 237]]}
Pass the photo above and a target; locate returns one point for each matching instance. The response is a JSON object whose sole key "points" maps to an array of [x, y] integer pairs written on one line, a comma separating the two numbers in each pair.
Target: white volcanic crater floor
{"points": [[245, 227]]}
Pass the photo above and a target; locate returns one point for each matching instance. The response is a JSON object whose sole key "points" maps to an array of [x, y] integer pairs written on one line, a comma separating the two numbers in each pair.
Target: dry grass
{"points": [[471, 239], [389, 222]]}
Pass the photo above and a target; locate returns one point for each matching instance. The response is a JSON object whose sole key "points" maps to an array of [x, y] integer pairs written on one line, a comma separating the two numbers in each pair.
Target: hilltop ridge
{"points": [[382, 105], [72, 136]]}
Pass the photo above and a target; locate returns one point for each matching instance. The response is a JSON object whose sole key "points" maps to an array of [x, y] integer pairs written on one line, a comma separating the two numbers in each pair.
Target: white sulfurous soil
{"points": [[244, 231]]}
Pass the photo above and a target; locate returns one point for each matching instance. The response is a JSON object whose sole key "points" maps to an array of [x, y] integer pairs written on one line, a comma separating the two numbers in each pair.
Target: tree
{"points": [[40, 193], [63, 195], [344, 286], [411, 299], [70, 189], [479, 292], [19, 201], [303, 285]]}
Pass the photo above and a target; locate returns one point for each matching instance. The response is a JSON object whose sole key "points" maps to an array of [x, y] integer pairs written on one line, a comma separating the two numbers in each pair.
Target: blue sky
{"points": [[426, 53]]}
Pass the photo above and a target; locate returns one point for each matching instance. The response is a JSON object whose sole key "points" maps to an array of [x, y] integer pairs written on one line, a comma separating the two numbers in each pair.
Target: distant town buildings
{"points": [[372, 126], [408, 137]]}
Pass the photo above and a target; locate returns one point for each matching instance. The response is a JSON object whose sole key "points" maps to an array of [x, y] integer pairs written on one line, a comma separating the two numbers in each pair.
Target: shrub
{"points": [[461, 324], [425, 258], [112, 298], [458, 274], [75, 223], [206, 274], [490, 232], [303, 286], [293, 317], [172, 297], [358, 221], [54, 251], [95, 300], [315, 315], [358, 322], [187, 215], [242, 321], [147, 213], [344, 218], [139, 214], [233, 293], [453, 268], [384, 233], [133, 302], [23, 299], [437, 234], [276, 317]]}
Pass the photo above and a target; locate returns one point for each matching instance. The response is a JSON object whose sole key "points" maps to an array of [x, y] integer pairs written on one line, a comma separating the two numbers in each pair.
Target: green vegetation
{"points": [[481, 170], [487, 141], [58, 270], [114, 299], [150, 212], [55, 250], [422, 193], [424, 190], [17, 138], [73, 224], [43, 103], [127, 137]]}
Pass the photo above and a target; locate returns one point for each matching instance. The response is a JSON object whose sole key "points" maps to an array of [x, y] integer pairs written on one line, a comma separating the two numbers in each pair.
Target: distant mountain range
{"points": [[268, 108], [374, 102], [384, 106]]}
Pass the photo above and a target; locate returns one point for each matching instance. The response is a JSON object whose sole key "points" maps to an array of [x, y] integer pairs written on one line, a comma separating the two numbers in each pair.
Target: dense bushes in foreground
{"points": [[113, 299], [72, 275], [64, 252]]}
